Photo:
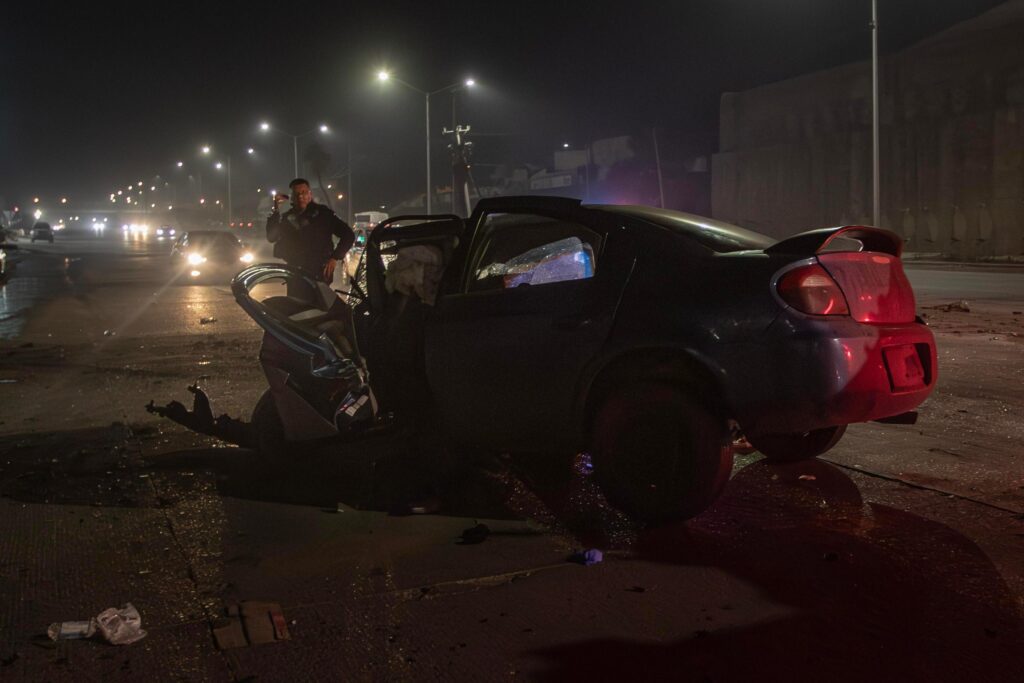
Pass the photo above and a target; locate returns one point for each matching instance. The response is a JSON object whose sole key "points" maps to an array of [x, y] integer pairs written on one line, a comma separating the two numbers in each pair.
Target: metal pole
{"points": [[657, 161], [349, 145], [295, 150], [229, 190], [428, 153], [874, 102]]}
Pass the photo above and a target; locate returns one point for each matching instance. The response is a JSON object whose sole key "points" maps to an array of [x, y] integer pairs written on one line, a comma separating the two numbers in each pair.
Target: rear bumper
{"points": [[811, 373]]}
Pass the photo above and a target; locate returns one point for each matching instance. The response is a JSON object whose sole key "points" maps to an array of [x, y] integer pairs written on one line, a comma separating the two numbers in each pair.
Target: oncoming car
{"points": [[42, 231], [649, 338], [202, 254]]}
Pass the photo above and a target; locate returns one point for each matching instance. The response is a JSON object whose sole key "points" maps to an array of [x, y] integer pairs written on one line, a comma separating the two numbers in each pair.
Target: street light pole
{"points": [[265, 126], [428, 154], [385, 76], [874, 113], [229, 189]]}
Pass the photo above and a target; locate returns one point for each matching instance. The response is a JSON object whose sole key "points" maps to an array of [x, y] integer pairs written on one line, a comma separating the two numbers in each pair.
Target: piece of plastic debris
{"points": [[121, 626], [475, 534], [207, 321], [72, 630], [807, 477], [8, 381], [587, 557], [960, 305], [108, 333]]}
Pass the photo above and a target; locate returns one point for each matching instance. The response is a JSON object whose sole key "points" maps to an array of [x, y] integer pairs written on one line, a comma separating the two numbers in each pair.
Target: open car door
{"points": [[405, 259], [535, 298]]}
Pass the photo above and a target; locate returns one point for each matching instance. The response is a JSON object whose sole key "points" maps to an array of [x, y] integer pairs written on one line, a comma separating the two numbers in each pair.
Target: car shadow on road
{"points": [[877, 593], [386, 474]]}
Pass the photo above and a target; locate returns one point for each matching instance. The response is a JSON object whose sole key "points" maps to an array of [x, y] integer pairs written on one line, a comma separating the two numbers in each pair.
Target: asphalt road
{"points": [[897, 556]]}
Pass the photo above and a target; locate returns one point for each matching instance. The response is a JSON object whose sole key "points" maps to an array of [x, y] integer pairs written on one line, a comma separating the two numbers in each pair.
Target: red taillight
{"points": [[810, 289]]}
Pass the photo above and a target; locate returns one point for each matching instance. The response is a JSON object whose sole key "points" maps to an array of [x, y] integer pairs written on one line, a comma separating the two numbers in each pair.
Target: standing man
{"points": [[303, 236]]}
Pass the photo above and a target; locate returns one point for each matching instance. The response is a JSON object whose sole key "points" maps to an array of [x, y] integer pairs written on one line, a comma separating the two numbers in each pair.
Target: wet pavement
{"points": [[897, 556]]}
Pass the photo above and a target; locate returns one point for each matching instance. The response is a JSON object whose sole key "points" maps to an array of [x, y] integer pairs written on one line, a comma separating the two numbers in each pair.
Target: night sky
{"points": [[96, 96]]}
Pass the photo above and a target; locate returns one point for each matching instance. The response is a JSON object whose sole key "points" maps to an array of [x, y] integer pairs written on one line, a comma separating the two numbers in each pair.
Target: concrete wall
{"points": [[796, 155]]}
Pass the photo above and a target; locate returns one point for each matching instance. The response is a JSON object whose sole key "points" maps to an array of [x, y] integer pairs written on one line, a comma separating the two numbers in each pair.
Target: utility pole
{"points": [[874, 114], [460, 152]]}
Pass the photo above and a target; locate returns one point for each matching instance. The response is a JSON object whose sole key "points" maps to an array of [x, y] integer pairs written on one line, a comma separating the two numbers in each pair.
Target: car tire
{"points": [[798, 446], [266, 423], [658, 454]]}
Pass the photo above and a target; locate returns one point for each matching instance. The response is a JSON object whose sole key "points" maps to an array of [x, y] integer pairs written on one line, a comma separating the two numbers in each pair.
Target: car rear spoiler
{"points": [[832, 239]]}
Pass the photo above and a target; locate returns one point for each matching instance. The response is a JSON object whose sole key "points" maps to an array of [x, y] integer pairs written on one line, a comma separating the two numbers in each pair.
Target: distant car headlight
{"points": [[195, 259], [172, 232], [160, 232], [246, 257]]}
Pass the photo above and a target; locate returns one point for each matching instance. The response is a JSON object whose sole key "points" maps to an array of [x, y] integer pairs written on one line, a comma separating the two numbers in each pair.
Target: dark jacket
{"points": [[306, 239]]}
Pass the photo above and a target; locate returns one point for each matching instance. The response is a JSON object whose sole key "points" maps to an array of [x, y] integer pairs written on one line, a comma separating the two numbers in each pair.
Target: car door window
{"points": [[528, 249]]}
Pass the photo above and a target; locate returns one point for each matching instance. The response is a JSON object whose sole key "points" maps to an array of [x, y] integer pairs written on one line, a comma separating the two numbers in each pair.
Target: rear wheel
{"points": [[266, 424], [658, 454], [798, 446]]}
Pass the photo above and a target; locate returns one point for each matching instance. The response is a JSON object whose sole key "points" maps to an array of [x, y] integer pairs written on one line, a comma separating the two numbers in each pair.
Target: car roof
{"points": [[209, 234], [715, 235]]}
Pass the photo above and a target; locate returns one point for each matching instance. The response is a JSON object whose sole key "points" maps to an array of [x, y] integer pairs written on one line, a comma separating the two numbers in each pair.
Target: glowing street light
{"points": [[384, 75], [323, 128], [35, 200], [63, 200], [250, 151], [180, 164]]}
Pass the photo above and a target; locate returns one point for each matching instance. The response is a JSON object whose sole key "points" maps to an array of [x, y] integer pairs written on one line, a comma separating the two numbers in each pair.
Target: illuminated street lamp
{"points": [[219, 165], [265, 127], [385, 76]]}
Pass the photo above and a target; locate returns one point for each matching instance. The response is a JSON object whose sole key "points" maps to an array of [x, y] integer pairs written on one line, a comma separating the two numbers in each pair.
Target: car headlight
{"points": [[195, 259], [160, 231], [246, 257]]}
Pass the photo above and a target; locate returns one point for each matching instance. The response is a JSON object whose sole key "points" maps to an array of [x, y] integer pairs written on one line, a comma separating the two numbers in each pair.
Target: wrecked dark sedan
{"points": [[652, 339]]}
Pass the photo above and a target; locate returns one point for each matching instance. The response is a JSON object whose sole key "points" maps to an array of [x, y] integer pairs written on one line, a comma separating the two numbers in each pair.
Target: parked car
{"points": [[200, 254], [42, 231], [652, 339]]}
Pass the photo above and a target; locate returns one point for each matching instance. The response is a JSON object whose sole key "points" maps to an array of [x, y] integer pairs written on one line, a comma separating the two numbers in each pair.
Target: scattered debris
{"points": [[807, 477], [475, 534], [587, 557], [8, 381], [251, 623], [960, 305], [200, 419], [109, 333], [207, 321], [118, 626], [72, 630], [121, 626]]}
